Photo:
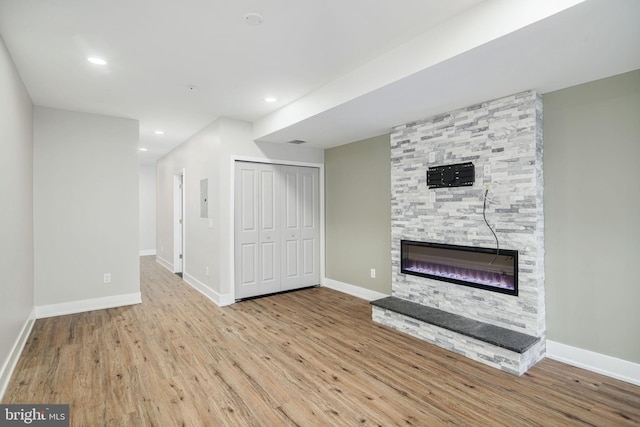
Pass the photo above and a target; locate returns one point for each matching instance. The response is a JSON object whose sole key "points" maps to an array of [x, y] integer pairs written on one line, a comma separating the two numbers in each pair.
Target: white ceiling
{"points": [[341, 70]]}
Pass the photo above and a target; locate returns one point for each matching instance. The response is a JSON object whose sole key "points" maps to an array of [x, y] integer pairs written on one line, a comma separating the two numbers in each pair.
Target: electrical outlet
{"points": [[487, 170], [206, 270], [432, 196], [107, 277], [373, 273], [487, 186], [432, 157]]}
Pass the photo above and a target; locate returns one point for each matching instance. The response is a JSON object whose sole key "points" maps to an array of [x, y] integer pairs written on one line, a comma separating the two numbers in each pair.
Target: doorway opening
{"points": [[178, 223]]}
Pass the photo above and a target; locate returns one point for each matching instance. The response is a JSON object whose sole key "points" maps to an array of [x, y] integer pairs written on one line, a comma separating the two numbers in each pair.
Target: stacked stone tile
{"points": [[503, 138]]}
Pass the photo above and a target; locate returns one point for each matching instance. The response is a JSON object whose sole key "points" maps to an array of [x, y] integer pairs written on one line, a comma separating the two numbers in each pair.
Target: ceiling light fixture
{"points": [[143, 149], [270, 99], [159, 132], [96, 60]]}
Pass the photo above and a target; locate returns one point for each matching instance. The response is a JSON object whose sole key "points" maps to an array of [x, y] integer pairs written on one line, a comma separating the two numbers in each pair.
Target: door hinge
{"points": [[180, 256]]}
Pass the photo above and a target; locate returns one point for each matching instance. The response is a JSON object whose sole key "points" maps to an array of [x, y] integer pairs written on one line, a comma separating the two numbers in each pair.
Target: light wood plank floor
{"points": [[307, 358]]}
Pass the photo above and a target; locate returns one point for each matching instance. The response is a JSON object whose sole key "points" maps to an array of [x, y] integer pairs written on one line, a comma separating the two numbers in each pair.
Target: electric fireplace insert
{"points": [[485, 268]]}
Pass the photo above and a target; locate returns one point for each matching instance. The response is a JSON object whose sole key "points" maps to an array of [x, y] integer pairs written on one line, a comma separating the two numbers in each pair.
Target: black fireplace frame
{"points": [[490, 252]]}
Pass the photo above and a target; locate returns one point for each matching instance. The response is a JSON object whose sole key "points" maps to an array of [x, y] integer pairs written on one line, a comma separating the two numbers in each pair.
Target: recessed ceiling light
{"points": [[270, 99], [97, 61], [159, 132], [143, 149]]}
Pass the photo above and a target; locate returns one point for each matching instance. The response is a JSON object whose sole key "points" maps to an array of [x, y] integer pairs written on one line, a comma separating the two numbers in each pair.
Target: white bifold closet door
{"points": [[277, 232]]}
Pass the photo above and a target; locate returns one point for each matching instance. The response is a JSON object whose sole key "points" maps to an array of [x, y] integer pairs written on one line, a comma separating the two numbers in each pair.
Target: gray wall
{"points": [[16, 213], [85, 206], [358, 213], [592, 206]]}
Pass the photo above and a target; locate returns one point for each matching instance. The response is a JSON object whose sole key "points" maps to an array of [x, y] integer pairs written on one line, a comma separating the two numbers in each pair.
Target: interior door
{"points": [[301, 228], [269, 229], [309, 227], [257, 246], [178, 227], [291, 249]]}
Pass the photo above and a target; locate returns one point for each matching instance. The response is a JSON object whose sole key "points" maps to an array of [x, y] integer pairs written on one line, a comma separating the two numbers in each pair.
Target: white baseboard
{"points": [[218, 299], [87, 305], [226, 299], [163, 262], [599, 363], [353, 290], [14, 355], [147, 252]]}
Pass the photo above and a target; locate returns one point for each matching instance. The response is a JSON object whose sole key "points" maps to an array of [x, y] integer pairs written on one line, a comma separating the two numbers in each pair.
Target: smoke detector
{"points": [[253, 19]]}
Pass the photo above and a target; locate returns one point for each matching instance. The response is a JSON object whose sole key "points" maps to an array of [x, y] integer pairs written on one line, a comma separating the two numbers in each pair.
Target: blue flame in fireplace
{"points": [[498, 280]]}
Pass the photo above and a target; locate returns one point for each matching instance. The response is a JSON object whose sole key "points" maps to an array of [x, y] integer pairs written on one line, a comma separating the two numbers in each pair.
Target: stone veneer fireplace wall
{"points": [[503, 138]]}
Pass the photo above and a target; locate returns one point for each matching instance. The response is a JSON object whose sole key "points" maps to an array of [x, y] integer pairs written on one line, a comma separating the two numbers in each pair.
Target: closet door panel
{"points": [[246, 232], [248, 208], [249, 261], [268, 202], [292, 250], [290, 228], [268, 205], [291, 199], [269, 258], [310, 226], [308, 257], [257, 230]]}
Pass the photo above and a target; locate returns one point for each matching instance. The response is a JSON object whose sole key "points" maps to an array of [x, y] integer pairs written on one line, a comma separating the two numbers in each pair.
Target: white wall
{"points": [[198, 158], [16, 214], [147, 209], [208, 242], [85, 210]]}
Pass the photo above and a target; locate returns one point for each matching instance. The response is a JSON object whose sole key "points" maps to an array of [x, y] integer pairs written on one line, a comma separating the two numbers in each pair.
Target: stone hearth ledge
{"points": [[496, 335]]}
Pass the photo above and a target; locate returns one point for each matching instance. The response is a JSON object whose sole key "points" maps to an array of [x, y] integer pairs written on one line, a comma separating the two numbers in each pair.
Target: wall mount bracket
{"points": [[457, 175]]}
